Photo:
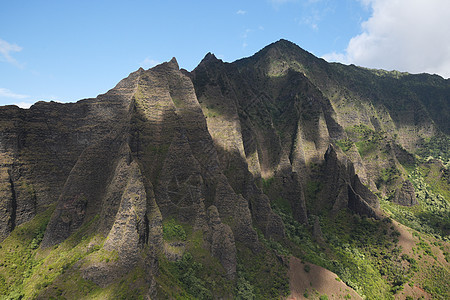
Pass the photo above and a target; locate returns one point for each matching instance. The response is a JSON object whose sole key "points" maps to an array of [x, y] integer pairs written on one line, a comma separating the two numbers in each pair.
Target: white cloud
{"points": [[148, 63], [24, 104], [334, 56], [6, 49], [312, 20], [241, 12], [406, 35], [5, 93]]}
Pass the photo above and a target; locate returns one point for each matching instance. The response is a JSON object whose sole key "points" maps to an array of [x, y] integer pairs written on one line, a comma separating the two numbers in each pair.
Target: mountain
{"points": [[236, 180]]}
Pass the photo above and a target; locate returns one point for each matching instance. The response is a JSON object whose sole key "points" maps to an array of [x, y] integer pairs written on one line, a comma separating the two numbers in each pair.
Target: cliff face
{"points": [[213, 149], [132, 157]]}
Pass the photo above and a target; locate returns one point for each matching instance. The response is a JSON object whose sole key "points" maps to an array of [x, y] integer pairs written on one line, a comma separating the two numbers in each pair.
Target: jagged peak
{"points": [[210, 58], [174, 63], [171, 64]]}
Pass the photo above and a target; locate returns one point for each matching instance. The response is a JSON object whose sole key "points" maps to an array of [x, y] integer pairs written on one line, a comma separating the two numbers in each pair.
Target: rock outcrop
{"points": [[224, 150], [221, 239], [405, 195], [158, 161], [342, 188]]}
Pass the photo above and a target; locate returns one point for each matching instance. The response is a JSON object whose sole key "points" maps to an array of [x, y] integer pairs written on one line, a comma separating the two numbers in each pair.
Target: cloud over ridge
{"points": [[405, 35], [5, 93]]}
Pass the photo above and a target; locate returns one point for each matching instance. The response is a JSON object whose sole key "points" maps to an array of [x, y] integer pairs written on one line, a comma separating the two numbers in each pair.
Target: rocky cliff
{"points": [[171, 162]]}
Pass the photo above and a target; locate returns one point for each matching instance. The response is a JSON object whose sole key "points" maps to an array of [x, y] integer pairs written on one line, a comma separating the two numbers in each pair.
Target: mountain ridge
{"points": [[171, 172]]}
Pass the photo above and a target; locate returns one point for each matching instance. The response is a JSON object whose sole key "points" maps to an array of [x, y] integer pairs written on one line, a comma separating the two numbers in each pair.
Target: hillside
{"points": [[226, 181]]}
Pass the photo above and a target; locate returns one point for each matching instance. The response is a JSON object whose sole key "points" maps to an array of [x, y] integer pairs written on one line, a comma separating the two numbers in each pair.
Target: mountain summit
{"points": [[214, 183]]}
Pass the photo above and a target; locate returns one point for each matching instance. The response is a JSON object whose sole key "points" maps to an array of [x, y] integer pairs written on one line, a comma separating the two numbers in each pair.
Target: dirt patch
{"points": [[311, 281], [415, 292], [406, 239]]}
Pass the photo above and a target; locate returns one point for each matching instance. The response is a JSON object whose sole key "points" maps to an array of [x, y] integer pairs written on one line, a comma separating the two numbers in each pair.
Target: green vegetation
{"points": [[267, 184], [437, 146], [388, 176], [354, 245], [365, 253], [307, 268], [436, 282], [17, 255], [366, 139], [188, 272], [345, 145], [313, 187], [26, 271], [431, 216], [211, 111], [173, 231], [197, 275], [261, 274]]}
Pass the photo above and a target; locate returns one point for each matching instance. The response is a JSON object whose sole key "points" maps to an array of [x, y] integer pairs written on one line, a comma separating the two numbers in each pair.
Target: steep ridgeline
{"points": [[278, 124], [181, 184], [123, 163]]}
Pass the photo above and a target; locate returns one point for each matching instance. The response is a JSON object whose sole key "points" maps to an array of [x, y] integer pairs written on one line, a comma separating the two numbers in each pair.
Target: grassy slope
{"points": [[26, 271]]}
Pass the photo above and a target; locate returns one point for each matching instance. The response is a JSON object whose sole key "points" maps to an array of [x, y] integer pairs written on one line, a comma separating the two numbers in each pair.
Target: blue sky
{"points": [[70, 50]]}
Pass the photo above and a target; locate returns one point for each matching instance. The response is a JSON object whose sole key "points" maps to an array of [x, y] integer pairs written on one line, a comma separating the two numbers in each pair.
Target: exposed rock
{"points": [[405, 195], [221, 239], [8, 205], [360, 167], [359, 205], [40, 146], [292, 191], [317, 231], [130, 225], [364, 192], [342, 187], [233, 138], [234, 209], [83, 191], [336, 179]]}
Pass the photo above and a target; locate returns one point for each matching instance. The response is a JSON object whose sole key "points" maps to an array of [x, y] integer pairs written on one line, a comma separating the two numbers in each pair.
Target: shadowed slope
{"points": [[201, 184]]}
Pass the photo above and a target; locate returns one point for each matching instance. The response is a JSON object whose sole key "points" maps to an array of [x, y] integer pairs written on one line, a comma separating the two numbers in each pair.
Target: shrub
{"points": [[173, 231], [244, 290], [307, 268]]}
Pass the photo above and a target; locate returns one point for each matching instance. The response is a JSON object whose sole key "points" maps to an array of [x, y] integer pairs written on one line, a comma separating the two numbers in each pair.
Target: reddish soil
{"points": [[319, 281], [415, 292], [406, 239], [316, 282]]}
